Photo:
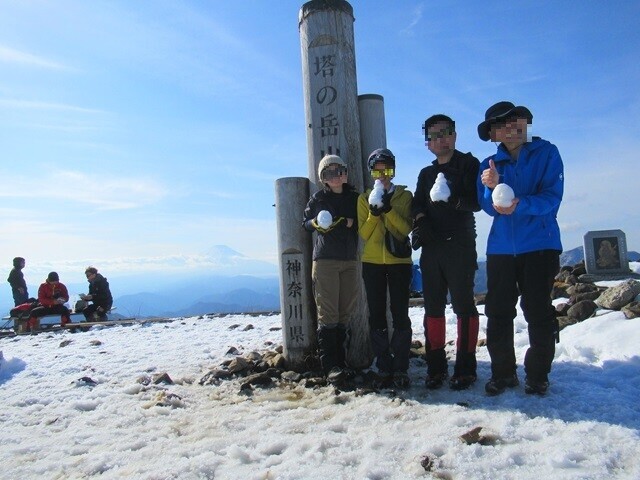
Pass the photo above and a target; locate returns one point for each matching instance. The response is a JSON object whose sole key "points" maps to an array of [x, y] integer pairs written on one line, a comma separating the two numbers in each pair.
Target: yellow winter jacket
{"points": [[372, 229]]}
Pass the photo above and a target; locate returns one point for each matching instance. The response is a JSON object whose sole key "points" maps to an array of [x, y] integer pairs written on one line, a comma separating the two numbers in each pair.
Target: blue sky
{"points": [[152, 129]]}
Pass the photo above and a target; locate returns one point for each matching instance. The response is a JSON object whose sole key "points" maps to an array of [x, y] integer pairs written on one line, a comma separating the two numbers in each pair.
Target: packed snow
{"points": [[76, 406]]}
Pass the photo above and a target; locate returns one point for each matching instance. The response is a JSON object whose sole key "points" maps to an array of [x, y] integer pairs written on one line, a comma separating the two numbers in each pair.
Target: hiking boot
{"points": [[533, 387], [496, 386], [433, 382], [401, 380], [461, 382], [381, 379], [336, 375]]}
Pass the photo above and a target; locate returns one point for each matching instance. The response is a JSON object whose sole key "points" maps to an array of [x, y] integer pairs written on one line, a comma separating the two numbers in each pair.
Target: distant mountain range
{"points": [[228, 283], [204, 294], [219, 281]]}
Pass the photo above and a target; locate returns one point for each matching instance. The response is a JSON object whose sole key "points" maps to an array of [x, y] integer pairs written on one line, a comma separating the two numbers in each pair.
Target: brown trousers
{"points": [[336, 286]]}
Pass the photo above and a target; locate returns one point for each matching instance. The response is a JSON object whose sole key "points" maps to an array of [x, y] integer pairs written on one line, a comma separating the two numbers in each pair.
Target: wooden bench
{"points": [[51, 321]]}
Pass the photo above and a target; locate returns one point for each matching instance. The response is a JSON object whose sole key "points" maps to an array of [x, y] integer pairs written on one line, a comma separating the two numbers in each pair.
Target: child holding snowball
{"points": [[384, 224], [331, 212]]}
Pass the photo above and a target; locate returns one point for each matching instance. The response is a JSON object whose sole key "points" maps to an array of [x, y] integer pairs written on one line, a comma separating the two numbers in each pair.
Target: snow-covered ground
{"points": [[56, 426]]}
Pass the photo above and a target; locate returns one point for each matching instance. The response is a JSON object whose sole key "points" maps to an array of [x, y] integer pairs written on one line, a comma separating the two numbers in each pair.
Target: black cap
{"points": [[501, 111], [53, 277]]}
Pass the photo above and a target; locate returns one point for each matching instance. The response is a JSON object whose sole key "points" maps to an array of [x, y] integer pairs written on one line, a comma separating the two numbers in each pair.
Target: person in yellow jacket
{"points": [[384, 226]]}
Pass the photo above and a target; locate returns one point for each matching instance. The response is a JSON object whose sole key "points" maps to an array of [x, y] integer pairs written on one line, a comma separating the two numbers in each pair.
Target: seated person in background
{"points": [[99, 294], [52, 295]]}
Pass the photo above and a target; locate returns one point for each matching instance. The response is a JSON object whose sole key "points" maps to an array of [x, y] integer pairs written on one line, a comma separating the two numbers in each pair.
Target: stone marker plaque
{"points": [[605, 252]]}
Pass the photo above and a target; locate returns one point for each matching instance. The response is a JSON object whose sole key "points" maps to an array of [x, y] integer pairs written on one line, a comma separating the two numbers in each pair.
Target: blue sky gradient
{"points": [[158, 128]]}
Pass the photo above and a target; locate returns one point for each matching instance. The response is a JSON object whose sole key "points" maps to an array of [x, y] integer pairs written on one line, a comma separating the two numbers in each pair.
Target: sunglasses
{"points": [[445, 132], [387, 172], [331, 174], [504, 121]]}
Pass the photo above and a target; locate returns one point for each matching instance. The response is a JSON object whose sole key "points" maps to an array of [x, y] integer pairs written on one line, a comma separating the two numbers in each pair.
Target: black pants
{"points": [[530, 275], [20, 298], [89, 310], [398, 279], [449, 266], [56, 309]]}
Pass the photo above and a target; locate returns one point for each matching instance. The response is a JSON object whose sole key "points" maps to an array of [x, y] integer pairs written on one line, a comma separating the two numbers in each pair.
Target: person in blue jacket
{"points": [[523, 248]]}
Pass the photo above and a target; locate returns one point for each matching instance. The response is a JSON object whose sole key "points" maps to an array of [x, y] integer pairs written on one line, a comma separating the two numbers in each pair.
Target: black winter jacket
{"points": [[340, 243], [100, 293], [16, 279], [455, 217]]}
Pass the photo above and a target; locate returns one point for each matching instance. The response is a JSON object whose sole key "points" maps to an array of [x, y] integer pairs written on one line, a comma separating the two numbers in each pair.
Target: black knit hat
{"points": [[53, 277], [501, 111]]}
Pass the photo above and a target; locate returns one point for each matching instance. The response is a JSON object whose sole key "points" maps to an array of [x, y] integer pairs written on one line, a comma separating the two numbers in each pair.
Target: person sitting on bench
{"points": [[99, 294], [52, 295]]}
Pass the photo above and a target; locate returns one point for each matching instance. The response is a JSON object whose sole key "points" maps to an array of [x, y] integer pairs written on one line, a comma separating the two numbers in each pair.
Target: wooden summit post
{"points": [[373, 132], [294, 253], [332, 119]]}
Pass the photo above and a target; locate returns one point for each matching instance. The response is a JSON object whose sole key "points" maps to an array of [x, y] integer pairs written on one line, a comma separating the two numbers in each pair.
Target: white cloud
{"points": [[416, 17], [102, 191], [35, 105], [10, 55]]}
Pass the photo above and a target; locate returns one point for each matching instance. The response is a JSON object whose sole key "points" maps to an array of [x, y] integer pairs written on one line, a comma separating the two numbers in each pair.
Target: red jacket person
{"points": [[52, 295]]}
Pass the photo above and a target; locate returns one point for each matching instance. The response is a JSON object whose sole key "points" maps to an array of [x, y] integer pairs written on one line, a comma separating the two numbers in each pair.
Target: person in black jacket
{"points": [[99, 295], [334, 273], [16, 280], [446, 232]]}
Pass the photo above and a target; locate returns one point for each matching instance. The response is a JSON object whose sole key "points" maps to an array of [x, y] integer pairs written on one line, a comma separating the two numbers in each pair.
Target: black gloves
{"points": [[454, 202], [375, 211], [330, 227], [451, 203], [386, 205], [386, 201], [422, 233]]}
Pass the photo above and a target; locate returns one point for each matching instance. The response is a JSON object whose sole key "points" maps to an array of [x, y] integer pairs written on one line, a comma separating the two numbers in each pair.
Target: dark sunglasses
{"points": [[445, 132], [331, 174], [503, 121]]}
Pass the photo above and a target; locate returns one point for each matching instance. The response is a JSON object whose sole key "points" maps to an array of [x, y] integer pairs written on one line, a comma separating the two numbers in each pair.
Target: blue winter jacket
{"points": [[537, 179]]}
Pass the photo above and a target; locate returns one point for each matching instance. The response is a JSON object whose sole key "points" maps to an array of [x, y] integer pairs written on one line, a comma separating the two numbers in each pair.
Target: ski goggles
{"points": [[387, 172], [445, 132], [330, 174]]}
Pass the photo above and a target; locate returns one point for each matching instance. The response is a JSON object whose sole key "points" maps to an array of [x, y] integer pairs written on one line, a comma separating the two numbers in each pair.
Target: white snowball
{"points": [[502, 195], [440, 192], [375, 197], [324, 219]]}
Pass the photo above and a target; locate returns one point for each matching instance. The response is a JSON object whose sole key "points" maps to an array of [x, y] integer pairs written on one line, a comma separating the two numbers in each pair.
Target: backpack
{"points": [[24, 309]]}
